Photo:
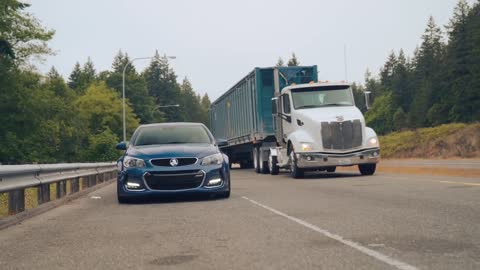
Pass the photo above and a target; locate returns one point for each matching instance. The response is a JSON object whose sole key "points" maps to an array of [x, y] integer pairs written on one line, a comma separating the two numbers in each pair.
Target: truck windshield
{"points": [[314, 97]]}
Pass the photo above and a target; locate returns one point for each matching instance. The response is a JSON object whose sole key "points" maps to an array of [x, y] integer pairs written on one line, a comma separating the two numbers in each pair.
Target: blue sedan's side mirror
{"points": [[222, 142], [121, 146]]}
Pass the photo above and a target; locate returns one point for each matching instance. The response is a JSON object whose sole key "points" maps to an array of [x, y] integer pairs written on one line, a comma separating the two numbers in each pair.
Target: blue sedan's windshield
{"points": [[171, 134]]}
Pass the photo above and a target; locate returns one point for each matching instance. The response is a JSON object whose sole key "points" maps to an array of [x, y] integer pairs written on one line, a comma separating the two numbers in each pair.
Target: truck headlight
{"points": [[373, 142], [306, 146], [131, 162], [215, 159]]}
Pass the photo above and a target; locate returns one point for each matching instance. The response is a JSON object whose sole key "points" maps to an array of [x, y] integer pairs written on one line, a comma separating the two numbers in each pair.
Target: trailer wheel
{"points": [[255, 159], [367, 169], [295, 171], [273, 164]]}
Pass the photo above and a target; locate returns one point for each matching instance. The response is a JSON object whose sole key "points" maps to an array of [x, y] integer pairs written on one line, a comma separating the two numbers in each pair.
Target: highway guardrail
{"points": [[14, 179]]}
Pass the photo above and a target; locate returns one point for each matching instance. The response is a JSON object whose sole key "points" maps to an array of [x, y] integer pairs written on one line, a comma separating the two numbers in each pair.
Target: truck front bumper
{"points": [[320, 160]]}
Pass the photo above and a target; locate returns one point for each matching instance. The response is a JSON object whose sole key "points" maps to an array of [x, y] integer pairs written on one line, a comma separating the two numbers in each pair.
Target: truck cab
{"points": [[318, 127]]}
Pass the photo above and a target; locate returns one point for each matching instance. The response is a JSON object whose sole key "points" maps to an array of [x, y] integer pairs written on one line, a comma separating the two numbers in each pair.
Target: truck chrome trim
{"points": [[319, 160]]}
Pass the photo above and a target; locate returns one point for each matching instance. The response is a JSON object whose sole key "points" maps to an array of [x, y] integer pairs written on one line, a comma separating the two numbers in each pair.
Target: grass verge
{"points": [[445, 141]]}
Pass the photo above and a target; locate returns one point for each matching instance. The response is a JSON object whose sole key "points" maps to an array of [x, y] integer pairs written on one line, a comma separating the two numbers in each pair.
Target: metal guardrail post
{"points": [[75, 187], [43, 192], [16, 201], [61, 189]]}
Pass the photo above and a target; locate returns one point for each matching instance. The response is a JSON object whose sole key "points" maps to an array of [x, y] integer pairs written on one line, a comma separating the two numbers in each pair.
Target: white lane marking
{"points": [[95, 197], [370, 252]]}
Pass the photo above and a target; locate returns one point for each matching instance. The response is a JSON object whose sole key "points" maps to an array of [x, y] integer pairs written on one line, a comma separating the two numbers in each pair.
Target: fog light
{"points": [[214, 182], [309, 158], [131, 185]]}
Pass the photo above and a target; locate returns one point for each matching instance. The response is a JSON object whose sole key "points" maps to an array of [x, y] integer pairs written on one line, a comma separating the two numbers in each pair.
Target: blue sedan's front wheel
{"points": [[122, 200]]}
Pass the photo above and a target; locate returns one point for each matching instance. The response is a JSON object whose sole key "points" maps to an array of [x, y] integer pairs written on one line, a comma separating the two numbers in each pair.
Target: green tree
{"points": [[293, 61], [74, 79], [205, 104], [162, 85], [191, 102], [101, 147], [101, 108], [280, 63], [380, 115], [21, 34], [400, 120], [427, 61], [463, 62], [136, 90]]}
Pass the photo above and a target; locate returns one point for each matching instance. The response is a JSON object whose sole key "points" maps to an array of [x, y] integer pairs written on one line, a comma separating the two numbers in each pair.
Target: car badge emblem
{"points": [[339, 118], [173, 162]]}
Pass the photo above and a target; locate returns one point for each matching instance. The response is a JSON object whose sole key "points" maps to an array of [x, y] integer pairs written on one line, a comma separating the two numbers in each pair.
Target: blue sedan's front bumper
{"points": [[131, 182]]}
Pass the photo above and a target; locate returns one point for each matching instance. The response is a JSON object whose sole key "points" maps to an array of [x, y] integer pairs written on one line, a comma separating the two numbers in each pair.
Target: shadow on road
{"points": [[184, 198], [323, 175]]}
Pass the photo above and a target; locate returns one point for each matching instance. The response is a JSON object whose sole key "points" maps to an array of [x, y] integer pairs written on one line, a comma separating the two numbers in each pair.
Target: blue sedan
{"points": [[172, 158]]}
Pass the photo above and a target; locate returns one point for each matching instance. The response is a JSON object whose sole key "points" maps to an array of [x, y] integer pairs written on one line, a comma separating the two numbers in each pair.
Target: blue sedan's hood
{"points": [[172, 150]]}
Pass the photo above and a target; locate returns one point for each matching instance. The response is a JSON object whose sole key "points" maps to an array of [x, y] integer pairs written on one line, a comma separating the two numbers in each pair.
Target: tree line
{"points": [[47, 119], [439, 84]]}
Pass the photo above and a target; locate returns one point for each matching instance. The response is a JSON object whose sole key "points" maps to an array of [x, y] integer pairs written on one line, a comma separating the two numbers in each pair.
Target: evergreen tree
{"points": [[428, 59], [190, 103], [162, 85], [293, 61], [135, 89], [205, 104], [280, 62], [74, 79]]}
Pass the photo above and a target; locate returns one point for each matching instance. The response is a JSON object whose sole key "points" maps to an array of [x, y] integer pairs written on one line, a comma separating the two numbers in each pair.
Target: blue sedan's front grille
{"points": [[174, 180], [165, 162]]}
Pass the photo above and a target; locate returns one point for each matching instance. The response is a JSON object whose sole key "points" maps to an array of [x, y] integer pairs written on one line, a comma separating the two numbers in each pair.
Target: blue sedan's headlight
{"points": [[215, 159], [131, 162]]}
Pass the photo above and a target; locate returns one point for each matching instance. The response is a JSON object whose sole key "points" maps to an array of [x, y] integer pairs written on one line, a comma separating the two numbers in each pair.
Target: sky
{"points": [[217, 42]]}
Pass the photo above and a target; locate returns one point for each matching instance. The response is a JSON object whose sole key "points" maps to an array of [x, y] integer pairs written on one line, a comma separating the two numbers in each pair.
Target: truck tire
{"points": [[273, 165], [331, 169], [367, 169], [263, 164], [295, 171], [256, 164]]}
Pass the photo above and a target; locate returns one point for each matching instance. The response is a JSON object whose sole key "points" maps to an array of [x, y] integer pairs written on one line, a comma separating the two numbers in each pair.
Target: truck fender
{"points": [[369, 133], [299, 136]]}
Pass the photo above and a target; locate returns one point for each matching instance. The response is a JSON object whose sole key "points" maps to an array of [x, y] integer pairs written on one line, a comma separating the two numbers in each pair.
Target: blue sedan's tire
{"points": [[123, 200], [225, 194]]}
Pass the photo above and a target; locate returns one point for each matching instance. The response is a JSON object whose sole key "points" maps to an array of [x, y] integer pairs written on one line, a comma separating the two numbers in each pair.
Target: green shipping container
{"points": [[244, 113]]}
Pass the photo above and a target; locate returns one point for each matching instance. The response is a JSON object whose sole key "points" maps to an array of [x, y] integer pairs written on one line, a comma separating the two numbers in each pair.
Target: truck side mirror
{"points": [[367, 99], [274, 105]]}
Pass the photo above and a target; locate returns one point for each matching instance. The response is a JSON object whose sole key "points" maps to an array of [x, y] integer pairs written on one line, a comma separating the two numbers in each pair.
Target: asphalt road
{"points": [[326, 221]]}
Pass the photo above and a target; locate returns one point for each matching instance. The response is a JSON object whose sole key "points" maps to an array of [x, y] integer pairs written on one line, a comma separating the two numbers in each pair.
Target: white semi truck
{"points": [[283, 118]]}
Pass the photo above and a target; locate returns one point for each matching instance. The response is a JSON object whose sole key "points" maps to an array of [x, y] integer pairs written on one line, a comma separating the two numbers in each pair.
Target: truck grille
{"points": [[165, 162], [176, 180], [342, 135]]}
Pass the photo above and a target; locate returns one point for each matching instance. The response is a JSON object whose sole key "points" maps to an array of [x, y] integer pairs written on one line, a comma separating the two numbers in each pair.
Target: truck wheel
{"points": [[273, 165], [255, 160], [367, 169], [294, 170], [331, 169]]}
